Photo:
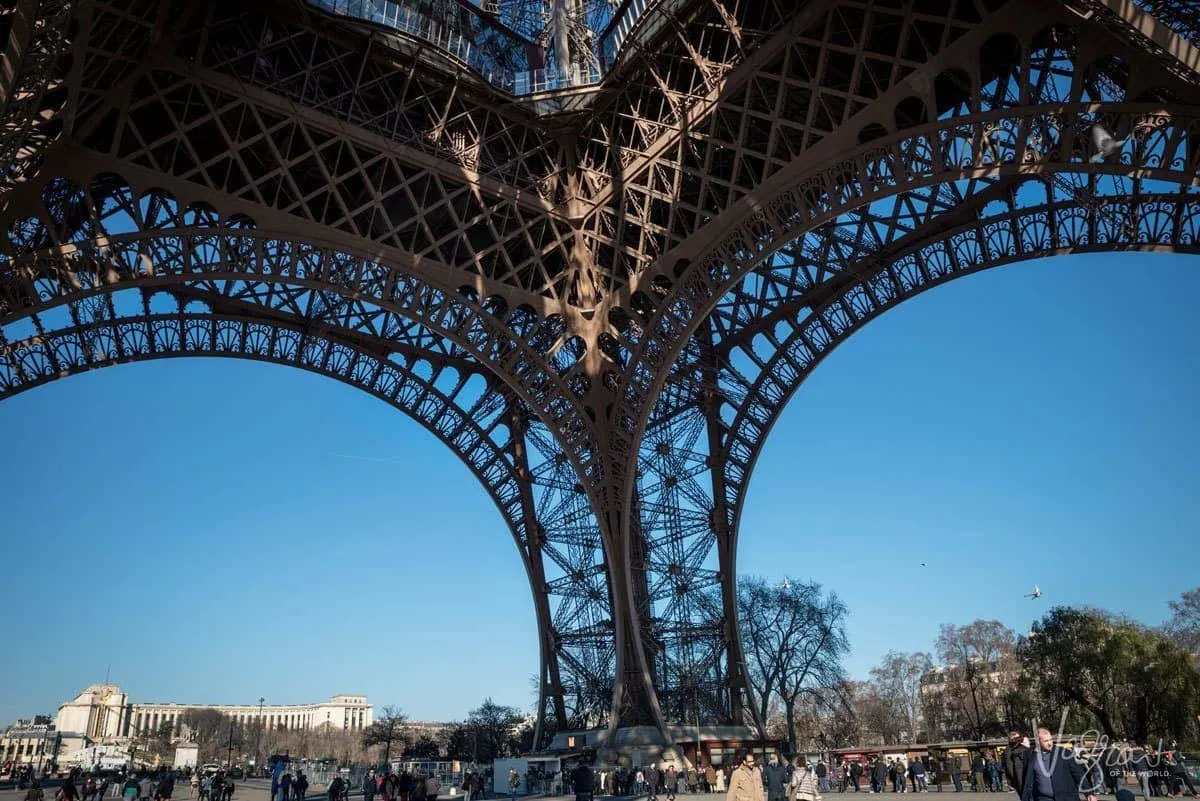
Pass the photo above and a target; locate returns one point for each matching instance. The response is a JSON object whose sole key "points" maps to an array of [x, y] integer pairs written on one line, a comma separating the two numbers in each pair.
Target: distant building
{"points": [[102, 713], [945, 714], [27, 743], [429, 728]]}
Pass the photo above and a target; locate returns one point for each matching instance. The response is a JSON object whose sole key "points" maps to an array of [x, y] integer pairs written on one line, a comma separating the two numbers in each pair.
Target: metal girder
{"points": [[640, 274], [120, 327], [1155, 222], [856, 210]]}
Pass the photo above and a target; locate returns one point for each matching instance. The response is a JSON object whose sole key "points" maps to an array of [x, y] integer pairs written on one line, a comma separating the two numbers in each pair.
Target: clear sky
{"points": [[212, 531]]}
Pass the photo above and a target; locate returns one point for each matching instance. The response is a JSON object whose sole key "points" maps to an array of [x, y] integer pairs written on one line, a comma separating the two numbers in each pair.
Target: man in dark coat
{"points": [[879, 774], [1052, 773], [855, 774], [955, 774], [581, 781], [1016, 762], [652, 779], [1179, 774], [775, 778]]}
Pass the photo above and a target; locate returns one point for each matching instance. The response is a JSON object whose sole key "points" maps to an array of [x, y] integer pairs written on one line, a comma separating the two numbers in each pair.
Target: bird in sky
{"points": [[1037, 592]]}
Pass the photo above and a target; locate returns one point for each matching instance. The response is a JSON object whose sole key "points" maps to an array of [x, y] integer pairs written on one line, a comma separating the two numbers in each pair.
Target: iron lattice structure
{"points": [[601, 292]]}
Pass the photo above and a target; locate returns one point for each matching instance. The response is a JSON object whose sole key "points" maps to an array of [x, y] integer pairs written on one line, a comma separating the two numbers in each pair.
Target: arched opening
{"points": [[1027, 409], [268, 510]]}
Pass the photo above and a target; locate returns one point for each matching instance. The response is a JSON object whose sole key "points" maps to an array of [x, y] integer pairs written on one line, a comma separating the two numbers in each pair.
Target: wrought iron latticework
{"points": [[599, 290]]}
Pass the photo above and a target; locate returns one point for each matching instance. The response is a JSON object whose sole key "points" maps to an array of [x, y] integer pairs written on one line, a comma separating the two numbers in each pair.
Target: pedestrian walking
{"points": [[745, 782], [956, 774], [334, 790], [1016, 761], [1177, 772], [165, 787], [582, 780], [804, 784], [1052, 773], [514, 783], [652, 779], [775, 779]]}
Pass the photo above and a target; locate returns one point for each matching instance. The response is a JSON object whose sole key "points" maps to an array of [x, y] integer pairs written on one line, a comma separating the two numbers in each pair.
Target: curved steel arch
{"points": [[519, 469], [990, 152], [722, 398], [1016, 118], [468, 429], [1168, 223], [194, 255], [82, 241], [1168, 151]]}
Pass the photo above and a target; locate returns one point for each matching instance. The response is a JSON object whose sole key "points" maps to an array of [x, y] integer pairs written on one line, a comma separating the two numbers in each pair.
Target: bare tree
{"points": [[795, 638], [1184, 625], [977, 656], [385, 730], [897, 683], [208, 729], [878, 722]]}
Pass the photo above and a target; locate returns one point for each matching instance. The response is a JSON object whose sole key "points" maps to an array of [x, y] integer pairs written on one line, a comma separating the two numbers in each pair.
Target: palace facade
{"points": [[103, 713]]}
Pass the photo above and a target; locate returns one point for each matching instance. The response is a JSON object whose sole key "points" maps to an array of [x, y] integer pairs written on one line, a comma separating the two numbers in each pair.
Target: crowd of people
{"points": [[385, 784], [1041, 772], [128, 786], [655, 781]]}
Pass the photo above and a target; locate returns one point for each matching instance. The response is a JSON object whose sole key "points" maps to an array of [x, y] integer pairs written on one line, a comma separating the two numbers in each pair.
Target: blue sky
{"points": [[212, 531]]}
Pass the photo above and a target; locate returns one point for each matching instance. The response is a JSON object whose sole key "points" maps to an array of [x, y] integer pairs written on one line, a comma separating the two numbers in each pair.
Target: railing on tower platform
{"points": [[475, 37], [1181, 16]]}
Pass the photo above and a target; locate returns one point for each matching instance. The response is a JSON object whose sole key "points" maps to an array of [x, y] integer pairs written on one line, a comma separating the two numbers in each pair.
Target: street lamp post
{"points": [[258, 745], [229, 752]]}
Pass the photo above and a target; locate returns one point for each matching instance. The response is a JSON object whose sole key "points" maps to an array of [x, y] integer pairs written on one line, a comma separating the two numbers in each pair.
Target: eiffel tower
{"points": [[594, 246]]}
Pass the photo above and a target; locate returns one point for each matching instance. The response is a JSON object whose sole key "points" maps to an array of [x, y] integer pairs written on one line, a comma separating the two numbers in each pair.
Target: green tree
{"points": [[494, 728], [460, 743], [424, 748], [1126, 678], [385, 730], [794, 636], [1184, 625]]}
